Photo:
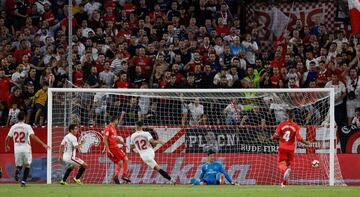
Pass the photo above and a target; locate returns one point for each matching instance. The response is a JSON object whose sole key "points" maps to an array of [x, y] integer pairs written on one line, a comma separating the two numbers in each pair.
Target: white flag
{"points": [[279, 21]]}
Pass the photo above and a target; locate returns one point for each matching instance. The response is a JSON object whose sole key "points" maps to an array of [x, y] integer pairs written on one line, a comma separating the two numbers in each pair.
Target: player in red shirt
{"points": [[115, 154], [288, 133]]}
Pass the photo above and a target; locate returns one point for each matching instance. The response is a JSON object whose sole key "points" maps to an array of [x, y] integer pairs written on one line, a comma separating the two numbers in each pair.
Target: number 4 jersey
{"points": [[20, 132], [288, 132]]}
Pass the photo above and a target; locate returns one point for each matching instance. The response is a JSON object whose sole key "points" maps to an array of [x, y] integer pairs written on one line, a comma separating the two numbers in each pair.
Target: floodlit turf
{"points": [[37, 190]]}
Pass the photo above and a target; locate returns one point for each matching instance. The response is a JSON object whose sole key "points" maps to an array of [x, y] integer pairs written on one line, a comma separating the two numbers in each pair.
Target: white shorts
{"points": [[73, 161], [22, 158], [149, 158]]}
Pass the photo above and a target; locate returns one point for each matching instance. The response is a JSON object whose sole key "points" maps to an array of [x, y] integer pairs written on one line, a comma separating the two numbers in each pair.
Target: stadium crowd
{"points": [[163, 44]]}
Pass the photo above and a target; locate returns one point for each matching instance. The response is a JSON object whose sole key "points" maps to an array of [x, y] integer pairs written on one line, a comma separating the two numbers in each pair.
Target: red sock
{"points": [[117, 170], [282, 167], [125, 167]]}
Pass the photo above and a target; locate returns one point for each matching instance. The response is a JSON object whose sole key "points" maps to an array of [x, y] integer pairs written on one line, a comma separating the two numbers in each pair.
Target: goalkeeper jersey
{"points": [[210, 171]]}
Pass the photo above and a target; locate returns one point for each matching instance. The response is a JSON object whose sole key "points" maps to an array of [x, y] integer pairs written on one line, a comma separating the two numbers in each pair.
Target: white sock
{"points": [[287, 173]]}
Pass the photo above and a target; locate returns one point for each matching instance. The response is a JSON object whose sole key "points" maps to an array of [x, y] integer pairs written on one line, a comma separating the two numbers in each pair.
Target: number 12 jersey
{"points": [[141, 140]]}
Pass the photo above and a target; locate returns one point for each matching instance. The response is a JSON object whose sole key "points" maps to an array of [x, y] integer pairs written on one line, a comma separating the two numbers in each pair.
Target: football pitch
{"points": [[37, 190]]}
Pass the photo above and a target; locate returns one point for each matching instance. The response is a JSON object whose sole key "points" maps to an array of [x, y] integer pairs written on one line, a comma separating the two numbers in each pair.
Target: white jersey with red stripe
{"points": [[141, 140], [69, 142], [20, 132]]}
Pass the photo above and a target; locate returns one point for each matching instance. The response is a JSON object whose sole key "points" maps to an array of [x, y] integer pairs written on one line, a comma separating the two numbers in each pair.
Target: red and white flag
{"points": [[354, 6], [279, 22]]}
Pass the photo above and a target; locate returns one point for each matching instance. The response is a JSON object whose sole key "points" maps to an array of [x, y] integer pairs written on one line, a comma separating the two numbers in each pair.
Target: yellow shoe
{"points": [[78, 181], [63, 182]]}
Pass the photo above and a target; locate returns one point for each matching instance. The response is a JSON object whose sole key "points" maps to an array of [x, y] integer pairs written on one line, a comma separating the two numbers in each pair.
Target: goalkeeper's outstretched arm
{"points": [[202, 175], [228, 178]]}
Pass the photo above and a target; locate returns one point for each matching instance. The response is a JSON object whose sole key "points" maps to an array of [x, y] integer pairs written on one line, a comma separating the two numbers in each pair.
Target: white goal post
{"points": [[238, 121]]}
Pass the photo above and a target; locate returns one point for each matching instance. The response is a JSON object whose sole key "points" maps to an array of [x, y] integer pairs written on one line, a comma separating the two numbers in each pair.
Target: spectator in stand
{"points": [[173, 83], [251, 48], [16, 97], [91, 6], [107, 77], [28, 96], [232, 113], [24, 49], [40, 99], [122, 81], [223, 79], [311, 74], [353, 94], [340, 94], [196, 111], [144, 103], [129, 113], [252, 77], [144, 61], [275, 78], [5, 84], [322, 77], [20, 12], [253, 118], [236, 46], [78, 76], [12, 116], [190, 44], [93, 78], [48, 76], [207, 77]]}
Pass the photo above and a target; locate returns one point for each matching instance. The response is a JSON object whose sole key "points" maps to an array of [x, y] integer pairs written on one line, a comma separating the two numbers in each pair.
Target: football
{"points": [[315, 163], [120, 139]]}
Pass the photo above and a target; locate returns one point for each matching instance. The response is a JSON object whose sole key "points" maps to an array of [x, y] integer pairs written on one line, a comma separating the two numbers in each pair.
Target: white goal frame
{"points": [[331, 92]]}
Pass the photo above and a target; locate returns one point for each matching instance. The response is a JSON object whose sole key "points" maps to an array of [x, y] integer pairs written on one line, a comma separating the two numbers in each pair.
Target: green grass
{"points": [[37, 190]]}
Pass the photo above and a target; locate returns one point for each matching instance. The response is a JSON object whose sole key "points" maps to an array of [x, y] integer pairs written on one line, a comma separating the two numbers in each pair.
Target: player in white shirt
{"points": [[21, 133], [143, 142], [67, 154]]}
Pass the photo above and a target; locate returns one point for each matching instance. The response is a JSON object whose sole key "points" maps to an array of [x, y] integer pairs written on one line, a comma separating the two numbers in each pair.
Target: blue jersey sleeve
{"points": [[203, 172], [222, 170]]}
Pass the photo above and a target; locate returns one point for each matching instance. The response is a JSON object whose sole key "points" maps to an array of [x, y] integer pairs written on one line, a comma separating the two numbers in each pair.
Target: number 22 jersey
{"points": [[20, 132]]}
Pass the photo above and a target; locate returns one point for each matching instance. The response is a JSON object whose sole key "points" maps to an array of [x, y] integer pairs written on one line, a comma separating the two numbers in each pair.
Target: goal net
{"points": [[236, 124]]}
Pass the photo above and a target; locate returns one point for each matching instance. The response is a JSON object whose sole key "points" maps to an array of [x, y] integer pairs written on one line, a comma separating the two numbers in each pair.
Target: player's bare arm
{"points": [[107, 145], [275, 136], [61, 152], [82, 142], [154, 142], [7, 147], [305, 142], [34, 137]]}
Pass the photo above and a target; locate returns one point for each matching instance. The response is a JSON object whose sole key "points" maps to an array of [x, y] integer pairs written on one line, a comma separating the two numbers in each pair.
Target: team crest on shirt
{"points": [[91, 138]]}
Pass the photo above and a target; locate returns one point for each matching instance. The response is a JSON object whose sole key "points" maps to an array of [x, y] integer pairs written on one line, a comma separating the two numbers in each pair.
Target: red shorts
{"points": [[117, 156], [286, 155]]}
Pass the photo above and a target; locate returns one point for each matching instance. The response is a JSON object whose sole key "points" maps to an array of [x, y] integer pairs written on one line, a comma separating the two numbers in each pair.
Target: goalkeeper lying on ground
{"points": [[212, 173]]}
